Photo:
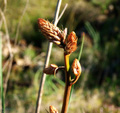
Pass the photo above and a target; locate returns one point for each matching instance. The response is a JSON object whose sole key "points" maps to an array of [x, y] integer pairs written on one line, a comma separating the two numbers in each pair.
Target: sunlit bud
{"points": [[76, 67], [53, 109], [71, 43], [51, 32], [51, 69]]}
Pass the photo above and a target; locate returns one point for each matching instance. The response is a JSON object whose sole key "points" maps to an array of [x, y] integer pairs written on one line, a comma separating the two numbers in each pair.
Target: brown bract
{"points": [[51, 69], [71, 43], [76, 67], [53, 109], [51, 32]]}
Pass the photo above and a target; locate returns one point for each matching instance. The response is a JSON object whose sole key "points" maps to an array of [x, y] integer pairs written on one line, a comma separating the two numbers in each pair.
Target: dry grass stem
{"points": [[66, 5], [10, 60], [7, 33], [4, 9], [20, 20], [8, 76]]}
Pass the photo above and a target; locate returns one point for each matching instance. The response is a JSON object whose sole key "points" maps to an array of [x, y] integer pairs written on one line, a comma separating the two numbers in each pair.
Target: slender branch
{"points": [[57, 12], [4, 9], [5, 5], [10, 51], [7, 33], [10, 60], [5, 65], [40, 92], [43, 77], [20, 20], [8, 76], [9, 48], [62, 12]]}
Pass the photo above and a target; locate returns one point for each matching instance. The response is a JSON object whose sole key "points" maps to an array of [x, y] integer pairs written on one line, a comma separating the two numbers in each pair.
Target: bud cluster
{"points": [[52, 109], [57, 36], [51, 32], [76, 67], [71, 43], [51, 69]]}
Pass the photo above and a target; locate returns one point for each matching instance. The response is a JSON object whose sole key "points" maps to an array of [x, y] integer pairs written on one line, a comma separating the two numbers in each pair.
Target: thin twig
{"points": [[1, 21], [5, 65], [5, 3], [43, 77], [40, 92], [10, 51], [4, 9], [20, 20], [62, 12], [57, 12], [10, 60], [7, 33], [8, 76]]}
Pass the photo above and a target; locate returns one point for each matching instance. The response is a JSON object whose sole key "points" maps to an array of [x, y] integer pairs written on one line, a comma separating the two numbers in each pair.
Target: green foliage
{"points": [[30, 52], [51, 84], [95, 35], [102, 3], [81, 49]]}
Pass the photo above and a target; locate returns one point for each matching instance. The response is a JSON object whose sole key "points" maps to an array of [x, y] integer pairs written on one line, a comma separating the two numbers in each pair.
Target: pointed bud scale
{"points": [[51, 69], [76, 67], [51, 32], [53, 109], [71, 43]]}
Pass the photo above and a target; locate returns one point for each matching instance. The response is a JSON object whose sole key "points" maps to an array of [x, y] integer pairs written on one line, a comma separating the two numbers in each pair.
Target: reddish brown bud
{"points": [[53, 109], [76, 67], [51, 32], [51, 69], [71, 43]]}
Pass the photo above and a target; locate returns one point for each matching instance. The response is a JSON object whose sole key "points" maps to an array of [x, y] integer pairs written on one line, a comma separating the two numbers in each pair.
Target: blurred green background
{"points": [[98, 88]]}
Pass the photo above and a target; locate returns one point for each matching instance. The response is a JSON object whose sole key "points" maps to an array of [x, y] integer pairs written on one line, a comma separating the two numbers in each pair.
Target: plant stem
{"points": [[67, 86], [1, 77], [40, 92]]}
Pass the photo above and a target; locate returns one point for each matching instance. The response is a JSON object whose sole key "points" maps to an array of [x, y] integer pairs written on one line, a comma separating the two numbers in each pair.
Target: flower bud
{"points": [[71, 43], [51, 32], [53, 109], [51, 69], [76, 67]]}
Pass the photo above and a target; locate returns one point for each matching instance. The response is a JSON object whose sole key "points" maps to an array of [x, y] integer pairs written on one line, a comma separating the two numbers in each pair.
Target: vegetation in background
{"points": [[100, 59]]}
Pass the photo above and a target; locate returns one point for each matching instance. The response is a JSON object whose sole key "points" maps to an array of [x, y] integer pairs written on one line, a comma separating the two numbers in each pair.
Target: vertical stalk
{"points": [[40, 92], [1, 76], [67, 86]]}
